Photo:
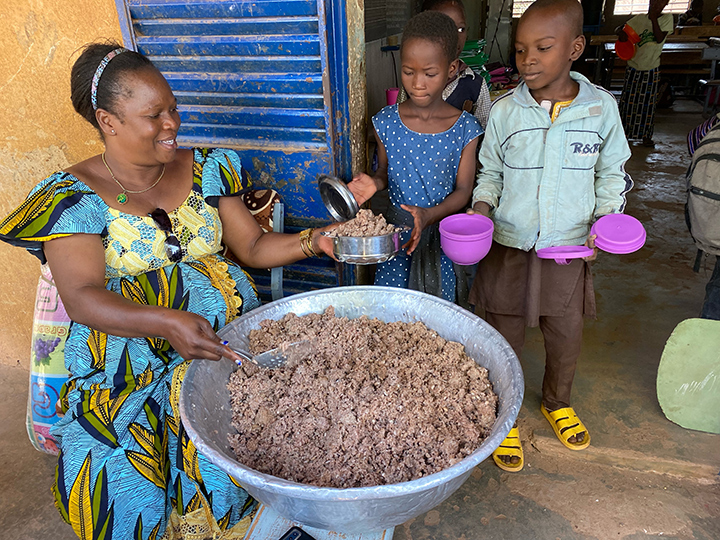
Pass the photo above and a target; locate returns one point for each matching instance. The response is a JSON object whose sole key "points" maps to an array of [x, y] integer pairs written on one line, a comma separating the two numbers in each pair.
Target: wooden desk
{"points": [[679, 51], [703, 31]]}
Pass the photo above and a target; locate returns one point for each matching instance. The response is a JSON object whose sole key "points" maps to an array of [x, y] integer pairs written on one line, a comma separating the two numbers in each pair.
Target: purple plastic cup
{"points": [[619, 234], [466, 238]]}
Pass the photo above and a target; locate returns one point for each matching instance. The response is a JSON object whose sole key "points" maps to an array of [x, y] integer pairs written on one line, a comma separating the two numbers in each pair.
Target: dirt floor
{"points": [[642, 477]]}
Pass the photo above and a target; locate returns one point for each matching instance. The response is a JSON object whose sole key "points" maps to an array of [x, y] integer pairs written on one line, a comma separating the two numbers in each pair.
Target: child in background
{"points": [[552, 162], [693, 16], [426, 155], [466, 90], [642, 75]]}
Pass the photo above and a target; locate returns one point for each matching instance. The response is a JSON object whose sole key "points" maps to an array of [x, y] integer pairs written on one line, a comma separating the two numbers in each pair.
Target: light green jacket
{"points": [[548, 182]]}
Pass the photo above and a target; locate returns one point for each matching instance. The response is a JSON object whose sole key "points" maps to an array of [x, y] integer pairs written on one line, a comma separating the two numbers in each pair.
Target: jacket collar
{"points": [[586, 98]]}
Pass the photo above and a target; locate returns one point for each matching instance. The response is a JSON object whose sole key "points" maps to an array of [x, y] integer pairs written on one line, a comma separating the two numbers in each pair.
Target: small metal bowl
{"points": [[366, 249]]}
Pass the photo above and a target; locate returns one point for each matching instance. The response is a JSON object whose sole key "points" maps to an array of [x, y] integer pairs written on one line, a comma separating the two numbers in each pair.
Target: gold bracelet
{"points": [[306, 245], [309, 243]]}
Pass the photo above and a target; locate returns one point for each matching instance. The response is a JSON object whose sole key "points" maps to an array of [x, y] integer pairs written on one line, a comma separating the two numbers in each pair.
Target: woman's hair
{"points": [[435, 27], [428, 5], [110, 86]]}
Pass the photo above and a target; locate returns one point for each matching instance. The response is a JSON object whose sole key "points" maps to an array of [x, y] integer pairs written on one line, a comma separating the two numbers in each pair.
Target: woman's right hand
{"points": [[193, 337], [362, 187]]}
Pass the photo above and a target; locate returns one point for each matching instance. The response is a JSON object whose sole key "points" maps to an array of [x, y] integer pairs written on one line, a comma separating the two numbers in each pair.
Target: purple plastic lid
{"points": [[562, 254], [619, 234]]}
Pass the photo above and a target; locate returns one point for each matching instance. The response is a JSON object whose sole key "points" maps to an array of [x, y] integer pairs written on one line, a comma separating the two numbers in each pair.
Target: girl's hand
{"points": [[590, 242], [363, 187], [481, 208], [421, 219], [193, 337]]}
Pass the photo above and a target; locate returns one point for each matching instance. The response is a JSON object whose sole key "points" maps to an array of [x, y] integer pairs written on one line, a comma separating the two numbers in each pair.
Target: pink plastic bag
{"points": [[47, 363]]}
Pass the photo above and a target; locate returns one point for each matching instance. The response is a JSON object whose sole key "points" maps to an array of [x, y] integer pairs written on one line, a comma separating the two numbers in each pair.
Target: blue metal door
{"points": [[268, 78]]}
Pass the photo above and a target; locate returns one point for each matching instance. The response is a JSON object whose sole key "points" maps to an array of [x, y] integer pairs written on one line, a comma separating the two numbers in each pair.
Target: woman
{"points": [[133, 239]]}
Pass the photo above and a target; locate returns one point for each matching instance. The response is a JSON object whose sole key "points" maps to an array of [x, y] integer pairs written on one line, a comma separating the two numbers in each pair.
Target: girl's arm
{"points": [[364, 186], [654, 13], [659, 34], [258, 249], [453, 203], [77, 263]]}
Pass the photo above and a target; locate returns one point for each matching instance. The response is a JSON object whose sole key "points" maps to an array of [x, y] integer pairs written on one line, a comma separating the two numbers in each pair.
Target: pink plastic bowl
{"points": [[466, 238]]}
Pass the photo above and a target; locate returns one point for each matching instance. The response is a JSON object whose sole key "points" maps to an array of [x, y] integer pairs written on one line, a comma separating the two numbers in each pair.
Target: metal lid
{"points": [[338, 199]]}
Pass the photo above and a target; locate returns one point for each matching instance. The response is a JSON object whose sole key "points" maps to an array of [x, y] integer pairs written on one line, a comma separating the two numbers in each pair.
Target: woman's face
{"points": [[148, 119]]}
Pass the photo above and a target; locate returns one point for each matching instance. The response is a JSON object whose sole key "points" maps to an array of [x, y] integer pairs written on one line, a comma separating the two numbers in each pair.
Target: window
{"points": [[632, 7], [622, 7], [519, 7]]}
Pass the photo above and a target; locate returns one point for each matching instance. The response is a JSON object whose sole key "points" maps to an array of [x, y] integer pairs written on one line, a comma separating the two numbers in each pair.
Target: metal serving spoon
{"points": [[274, 358]]}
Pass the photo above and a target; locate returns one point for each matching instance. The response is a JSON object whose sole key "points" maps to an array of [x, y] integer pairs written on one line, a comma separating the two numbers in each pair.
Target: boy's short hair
{"points": [[435, 4], [571, 9], [435, 27]]}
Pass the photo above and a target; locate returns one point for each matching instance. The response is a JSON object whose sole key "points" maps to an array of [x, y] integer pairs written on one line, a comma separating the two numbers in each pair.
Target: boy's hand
{"points": [[480, 207], [590, 242], [362, 187], [420, 216], [622, 36]]}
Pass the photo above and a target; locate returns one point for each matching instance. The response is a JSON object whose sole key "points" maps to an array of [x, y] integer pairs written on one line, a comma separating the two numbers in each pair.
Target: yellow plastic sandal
{"points": [[566, 423], [510, 447]]}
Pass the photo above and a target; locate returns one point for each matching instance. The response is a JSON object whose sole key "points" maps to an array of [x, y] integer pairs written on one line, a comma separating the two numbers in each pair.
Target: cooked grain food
{"points": [[376, 403], [365, 223]]}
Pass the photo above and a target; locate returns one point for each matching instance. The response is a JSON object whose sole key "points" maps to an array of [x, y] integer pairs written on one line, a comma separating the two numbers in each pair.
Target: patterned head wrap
{"points": [[99, 71]]}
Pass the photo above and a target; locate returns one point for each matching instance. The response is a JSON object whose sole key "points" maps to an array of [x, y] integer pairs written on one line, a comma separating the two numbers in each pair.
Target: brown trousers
{"points": [[563, 338], [516, 289]]}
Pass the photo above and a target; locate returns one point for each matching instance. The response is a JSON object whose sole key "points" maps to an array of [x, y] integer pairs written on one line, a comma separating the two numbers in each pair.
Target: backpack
{"points": [[702, 210]]}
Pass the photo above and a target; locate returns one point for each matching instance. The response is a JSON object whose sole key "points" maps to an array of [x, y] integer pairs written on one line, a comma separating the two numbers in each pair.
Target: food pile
{"points": [[374, 403], [365, 223]]}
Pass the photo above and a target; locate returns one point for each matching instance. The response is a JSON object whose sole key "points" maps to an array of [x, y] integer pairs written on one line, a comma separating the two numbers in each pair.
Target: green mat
{"points": [[688, 379]]}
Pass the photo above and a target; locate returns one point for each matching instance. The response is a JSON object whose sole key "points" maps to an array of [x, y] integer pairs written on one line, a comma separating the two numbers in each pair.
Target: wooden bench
{"points": [[711, 89], [701, 31]]}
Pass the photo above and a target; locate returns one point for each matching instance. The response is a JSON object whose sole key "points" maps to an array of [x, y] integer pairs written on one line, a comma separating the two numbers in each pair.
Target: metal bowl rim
{"points": [[301, 491]]}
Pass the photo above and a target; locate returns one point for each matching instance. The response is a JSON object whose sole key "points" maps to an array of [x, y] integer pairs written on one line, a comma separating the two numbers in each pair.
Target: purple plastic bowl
{"points": [[466, 238]]}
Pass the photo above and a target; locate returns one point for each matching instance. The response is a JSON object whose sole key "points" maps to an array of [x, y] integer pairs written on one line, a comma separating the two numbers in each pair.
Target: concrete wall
{"points": [[39, 133]]}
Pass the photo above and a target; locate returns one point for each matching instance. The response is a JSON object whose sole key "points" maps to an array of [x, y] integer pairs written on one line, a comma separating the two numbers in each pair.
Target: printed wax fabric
{"points": [[422, 171], [638, 101], [126, 465]]}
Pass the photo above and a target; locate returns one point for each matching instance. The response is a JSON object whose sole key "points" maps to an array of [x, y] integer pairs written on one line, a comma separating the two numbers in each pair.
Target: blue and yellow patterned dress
{"points": [[127, 468]]}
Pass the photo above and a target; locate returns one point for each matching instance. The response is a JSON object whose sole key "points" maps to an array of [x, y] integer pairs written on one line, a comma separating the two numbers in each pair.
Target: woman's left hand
{"points": [[590, 242], [322, 243], [421, 219]]}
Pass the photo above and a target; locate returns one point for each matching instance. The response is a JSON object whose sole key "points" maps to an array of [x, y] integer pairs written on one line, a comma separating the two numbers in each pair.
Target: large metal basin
{"points": [[205, 410]]}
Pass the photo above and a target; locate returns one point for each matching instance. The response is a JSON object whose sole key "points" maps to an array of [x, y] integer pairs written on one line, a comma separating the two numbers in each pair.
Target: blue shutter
{"points": [[267, 78]]}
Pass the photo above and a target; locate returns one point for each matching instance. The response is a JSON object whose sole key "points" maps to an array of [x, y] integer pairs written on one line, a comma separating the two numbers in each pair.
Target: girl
{"points": [[642, 75], [426, 154], [466, 90]]}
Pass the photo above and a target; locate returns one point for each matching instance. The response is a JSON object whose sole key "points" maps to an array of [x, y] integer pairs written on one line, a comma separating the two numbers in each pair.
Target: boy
{"points": [[551, 163]]}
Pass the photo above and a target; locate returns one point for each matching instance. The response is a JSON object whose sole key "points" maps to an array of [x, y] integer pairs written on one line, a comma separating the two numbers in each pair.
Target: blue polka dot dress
{"points": [[422, 170]]}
